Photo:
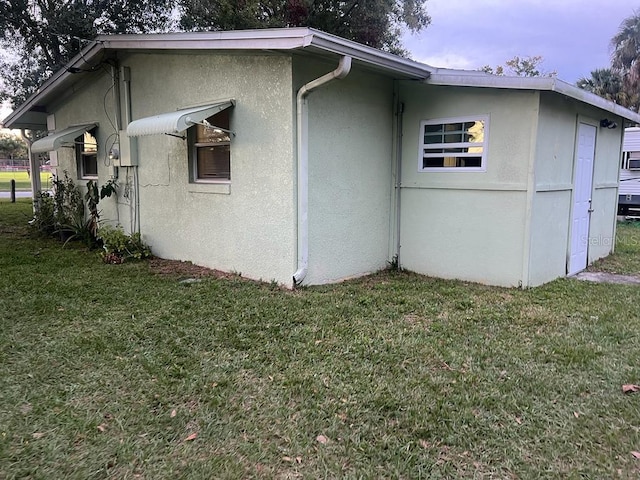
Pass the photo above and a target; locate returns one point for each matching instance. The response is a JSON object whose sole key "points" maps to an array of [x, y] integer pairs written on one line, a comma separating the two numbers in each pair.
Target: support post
{"points": [[34, 166]]}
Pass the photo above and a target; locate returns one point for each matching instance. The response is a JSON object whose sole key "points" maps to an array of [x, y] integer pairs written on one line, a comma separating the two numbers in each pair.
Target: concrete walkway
{"points": [[603, 277], [19, 194]]}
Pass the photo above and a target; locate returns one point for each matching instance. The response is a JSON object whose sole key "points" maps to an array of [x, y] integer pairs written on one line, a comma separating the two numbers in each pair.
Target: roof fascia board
{"points": [[455, 78], [340, 46], [235, 40], [268, 39]]}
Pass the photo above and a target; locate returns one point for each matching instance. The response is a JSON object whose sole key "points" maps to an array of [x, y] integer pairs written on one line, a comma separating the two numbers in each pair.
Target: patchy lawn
{"points": [[626, 259], [121, 371]]}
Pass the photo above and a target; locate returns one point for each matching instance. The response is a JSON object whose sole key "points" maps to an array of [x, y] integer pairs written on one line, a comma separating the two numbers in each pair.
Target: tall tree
{"points": [[46, 34], [609, 83], [626, 48], [376, 23], [620, 83], [12, 146]]}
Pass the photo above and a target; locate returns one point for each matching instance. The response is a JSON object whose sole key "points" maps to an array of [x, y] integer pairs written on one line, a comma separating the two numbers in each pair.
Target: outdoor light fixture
{"points": [[606, 123]]}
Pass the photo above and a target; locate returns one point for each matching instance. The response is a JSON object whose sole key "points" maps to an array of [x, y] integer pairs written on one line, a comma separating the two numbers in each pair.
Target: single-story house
{"points": [[295, 156]]}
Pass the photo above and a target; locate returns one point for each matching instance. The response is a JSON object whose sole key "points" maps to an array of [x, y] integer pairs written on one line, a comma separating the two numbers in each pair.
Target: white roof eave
{"points": [[459, 78], [285, 39]]}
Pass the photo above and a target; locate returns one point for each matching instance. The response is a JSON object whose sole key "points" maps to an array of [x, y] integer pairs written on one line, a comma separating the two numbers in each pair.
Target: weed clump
{"points": [[119, 247]]}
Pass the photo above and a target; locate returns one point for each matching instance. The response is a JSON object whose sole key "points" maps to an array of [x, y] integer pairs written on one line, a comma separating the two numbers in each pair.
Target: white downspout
{"points": [[302, 143]]}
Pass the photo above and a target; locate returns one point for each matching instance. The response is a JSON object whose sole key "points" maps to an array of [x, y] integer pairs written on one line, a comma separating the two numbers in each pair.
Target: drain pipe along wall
{"points": [[302, 141]]}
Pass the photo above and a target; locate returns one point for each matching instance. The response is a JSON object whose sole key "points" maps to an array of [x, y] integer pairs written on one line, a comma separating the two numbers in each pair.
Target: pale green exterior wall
{"points": [[350, 153], [468, 225], [553, 198], [246, 226], [553, 187], [606, 172], [80, 106], [508, 225]]}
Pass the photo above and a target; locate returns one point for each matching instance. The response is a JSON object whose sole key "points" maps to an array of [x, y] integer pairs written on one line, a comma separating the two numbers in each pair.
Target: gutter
{"points": [[302, 154]]}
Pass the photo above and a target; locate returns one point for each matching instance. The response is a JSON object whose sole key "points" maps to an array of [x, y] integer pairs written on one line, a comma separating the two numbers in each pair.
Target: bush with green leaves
{"points": [[119, 247], [44, 219], [62, 213], [68, 203]]}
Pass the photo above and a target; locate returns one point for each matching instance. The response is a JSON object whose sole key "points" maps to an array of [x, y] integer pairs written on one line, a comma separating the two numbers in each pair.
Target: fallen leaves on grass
{"points": [[630, 388], [636, 454], [102, 427], [322, 439], [174, 412], [292, 460], [193, 436], [37, 435]]}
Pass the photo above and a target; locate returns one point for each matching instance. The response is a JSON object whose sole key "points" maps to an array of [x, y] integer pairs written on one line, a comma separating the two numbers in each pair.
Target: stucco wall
{"points": [[606, 172], [468, 225], [549, 236], [245, 226], [552, 204], [350, 156], [551, 208], [86, 104]]}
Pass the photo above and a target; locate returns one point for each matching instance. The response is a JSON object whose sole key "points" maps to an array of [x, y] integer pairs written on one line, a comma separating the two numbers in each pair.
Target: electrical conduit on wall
{"points": [[302, 137]]}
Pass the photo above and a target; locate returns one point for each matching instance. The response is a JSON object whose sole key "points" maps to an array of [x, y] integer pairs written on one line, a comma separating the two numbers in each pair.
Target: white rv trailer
{"points": [[629, 191]]}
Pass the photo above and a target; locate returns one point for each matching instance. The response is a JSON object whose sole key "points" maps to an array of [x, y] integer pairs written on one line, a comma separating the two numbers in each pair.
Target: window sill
{"points": [[210, 188]]}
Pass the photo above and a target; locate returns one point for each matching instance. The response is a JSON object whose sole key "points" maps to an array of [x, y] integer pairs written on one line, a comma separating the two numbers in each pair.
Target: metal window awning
{"points": [[54, 140], [173, 123]]}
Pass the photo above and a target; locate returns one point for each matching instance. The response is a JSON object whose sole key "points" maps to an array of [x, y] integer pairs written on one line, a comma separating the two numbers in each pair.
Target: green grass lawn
{"points": [[117, 371], [627, 257], [22, 180]]}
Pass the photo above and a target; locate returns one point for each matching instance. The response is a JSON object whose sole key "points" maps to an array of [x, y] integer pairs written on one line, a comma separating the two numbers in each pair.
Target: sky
{"points": [[573, 36]]}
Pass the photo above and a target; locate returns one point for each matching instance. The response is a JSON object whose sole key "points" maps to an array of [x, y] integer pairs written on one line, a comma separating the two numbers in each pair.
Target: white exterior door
{"points": [[582, 185]]}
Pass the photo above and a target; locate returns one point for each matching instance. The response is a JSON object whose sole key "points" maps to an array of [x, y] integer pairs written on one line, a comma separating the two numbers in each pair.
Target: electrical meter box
{"points": [[128, 155]]}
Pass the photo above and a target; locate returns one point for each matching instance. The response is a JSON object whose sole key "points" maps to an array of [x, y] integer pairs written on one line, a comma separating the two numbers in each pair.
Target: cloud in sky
{"points": [[573, 36]]}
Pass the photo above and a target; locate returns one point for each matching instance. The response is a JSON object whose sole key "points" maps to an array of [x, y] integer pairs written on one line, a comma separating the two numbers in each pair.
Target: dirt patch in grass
{"points": [[177, 268]]}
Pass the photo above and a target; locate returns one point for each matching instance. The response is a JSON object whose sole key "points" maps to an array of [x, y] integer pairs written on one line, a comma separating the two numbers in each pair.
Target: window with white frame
{"points": [[87, 154], [631, 160], [210, 149], [454, 144]]}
